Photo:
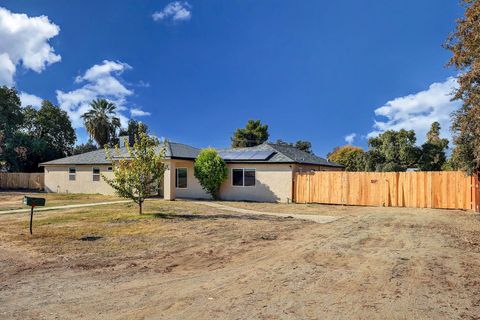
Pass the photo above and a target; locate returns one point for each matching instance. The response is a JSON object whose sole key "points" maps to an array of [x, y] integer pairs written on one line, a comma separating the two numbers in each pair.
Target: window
{"points": [[110, 168], [181, 181], [96, 174], [243, 177], [72, 173]]}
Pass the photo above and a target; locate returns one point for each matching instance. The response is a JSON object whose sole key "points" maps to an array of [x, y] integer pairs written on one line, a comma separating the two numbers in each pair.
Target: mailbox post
{"points": [[33, 202]]}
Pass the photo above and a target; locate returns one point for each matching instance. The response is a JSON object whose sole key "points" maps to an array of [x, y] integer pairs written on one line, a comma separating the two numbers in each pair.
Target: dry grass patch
{"points": [[14, 200]]}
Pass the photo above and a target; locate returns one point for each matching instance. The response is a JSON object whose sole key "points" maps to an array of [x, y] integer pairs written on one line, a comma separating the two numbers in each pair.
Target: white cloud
{"points": [[100, 81], [349, 138], [417, 111], [174, 11], [24, 41], [28, 99], [137, 112]]}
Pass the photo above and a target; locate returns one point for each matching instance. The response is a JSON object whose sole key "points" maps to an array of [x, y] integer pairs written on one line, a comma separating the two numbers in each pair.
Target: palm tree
{"points": [[101, 122]]}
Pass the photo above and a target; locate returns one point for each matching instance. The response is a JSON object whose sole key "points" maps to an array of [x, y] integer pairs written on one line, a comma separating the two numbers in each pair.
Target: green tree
{"points": [[85, 147], [252, 135], [52, 125], [23, 152], [11, 117], [465, 47], [101, 122], [393, 151], [353, 158], [300, 145], [210, 170], [134, 128], [433, 155], [136, 177]]}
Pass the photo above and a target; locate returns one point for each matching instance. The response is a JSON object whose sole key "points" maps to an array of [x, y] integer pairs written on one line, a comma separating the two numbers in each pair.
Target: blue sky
{"points": [[196, 70]]}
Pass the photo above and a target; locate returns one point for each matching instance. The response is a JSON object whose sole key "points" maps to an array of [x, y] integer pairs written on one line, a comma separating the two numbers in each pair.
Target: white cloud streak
{"points": [[417, 111], [24, 42], [137, 112], [174, 11], [28, 99], [100, 81], [349, 138]]}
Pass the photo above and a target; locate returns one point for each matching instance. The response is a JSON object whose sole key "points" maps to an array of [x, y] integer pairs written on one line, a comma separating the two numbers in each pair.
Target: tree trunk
{"points": [[140, 207]]}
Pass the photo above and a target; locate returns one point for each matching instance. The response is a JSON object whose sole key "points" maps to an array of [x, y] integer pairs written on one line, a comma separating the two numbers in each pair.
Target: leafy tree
{"points": [[101, 122], [433, 150], [464, 45], [393, 151], [11, 116], [134, 128], [23, 152], [137, 176], [85, 147], [210, 170], [300, 145], [353, 158], [53, 126], [252, 135]]}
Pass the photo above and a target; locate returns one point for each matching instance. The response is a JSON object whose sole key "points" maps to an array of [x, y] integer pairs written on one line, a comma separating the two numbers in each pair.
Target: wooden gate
{"points": [[22, 180], [433, 189]]}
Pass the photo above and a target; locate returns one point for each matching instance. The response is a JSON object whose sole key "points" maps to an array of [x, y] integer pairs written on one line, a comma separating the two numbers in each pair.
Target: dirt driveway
{"points": [[187, 261]]}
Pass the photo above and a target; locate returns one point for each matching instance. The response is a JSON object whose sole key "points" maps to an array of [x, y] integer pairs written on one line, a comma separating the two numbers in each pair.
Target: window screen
{"points": [[237, 177], [249, 177], [181, 181], [72, 174], [243, 177], [96, 174]]}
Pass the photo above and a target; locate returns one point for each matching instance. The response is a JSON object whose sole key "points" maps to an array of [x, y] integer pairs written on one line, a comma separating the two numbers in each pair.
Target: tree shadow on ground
{"points": [[223, 216]]}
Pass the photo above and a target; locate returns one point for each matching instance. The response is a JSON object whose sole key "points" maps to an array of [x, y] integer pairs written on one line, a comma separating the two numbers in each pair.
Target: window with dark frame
{"points": [[72, 174], [243, 177], [181, 178], [96, 174]]}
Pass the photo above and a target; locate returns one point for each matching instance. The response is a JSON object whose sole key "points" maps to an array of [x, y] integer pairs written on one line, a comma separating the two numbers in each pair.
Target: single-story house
{"points": [[262, 173]]}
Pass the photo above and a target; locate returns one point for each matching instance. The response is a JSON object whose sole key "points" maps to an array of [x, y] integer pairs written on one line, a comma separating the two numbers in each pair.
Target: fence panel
{"points": [[22, 180], [442, 189]]}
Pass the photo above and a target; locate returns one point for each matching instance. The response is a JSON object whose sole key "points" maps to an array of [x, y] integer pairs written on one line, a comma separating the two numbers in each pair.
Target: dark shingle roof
{"points": [[280, 154], [92, 157]]}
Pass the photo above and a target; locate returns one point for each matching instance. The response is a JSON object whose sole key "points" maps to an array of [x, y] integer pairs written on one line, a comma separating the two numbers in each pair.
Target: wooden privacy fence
{"points": [[22, 180], [442, 189]]}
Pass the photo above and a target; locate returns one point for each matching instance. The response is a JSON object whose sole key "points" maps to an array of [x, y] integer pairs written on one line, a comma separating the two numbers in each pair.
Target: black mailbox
{"points": [[34, 202]]}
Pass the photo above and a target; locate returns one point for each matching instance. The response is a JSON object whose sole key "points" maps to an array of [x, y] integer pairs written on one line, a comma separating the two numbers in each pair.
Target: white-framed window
{"points": [[95, 174], [72, 174], [181, 178], [243, 177]]}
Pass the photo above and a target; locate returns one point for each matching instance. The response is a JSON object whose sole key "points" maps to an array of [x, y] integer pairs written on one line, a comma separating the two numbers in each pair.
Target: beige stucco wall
{"points": [[193, 190], [273, 184], [56, 180]]}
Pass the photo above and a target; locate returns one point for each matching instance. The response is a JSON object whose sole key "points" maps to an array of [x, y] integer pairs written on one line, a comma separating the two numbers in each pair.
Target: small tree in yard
{"points": [[136, 176], [211, 171]]}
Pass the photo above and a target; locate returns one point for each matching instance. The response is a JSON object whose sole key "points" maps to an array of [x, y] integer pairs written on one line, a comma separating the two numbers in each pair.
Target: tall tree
{"points": [[303, 145], [11, 117], [53, 126], [101, 122], [465, 45], [85, 147], [252, 135], [393, 151], [137, 176], [433, 150], [353, 158]]}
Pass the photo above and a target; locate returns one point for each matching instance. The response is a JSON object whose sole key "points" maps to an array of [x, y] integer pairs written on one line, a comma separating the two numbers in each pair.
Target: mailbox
{"points": [[34, 202]]}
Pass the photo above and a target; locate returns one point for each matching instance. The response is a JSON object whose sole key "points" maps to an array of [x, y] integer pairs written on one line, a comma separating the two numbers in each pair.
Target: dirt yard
{"points": [[184, 260]]}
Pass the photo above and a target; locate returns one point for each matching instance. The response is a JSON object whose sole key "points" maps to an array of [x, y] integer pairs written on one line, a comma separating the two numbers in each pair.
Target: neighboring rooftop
{"points": [[264, 153]]}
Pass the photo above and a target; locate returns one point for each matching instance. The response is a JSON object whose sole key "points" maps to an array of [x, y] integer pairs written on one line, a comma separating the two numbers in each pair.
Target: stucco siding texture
{"points": [[193, 190], [273, 183], [57, 179]]}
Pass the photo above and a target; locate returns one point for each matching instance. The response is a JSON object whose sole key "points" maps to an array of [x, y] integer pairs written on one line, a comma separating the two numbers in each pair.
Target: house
{"points": [[262, 173]]}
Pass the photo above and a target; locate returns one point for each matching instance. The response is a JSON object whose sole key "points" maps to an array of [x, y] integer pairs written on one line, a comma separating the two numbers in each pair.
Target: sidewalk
{"points": [[70, 206], [310, 217]]}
